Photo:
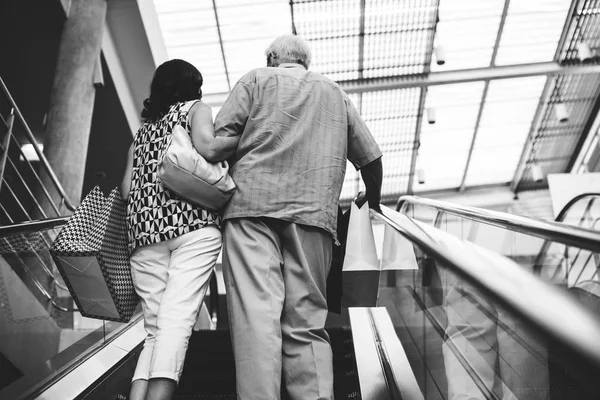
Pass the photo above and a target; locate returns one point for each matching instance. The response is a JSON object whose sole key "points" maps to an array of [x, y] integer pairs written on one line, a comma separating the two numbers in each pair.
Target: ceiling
{"points": [[511, 66]]}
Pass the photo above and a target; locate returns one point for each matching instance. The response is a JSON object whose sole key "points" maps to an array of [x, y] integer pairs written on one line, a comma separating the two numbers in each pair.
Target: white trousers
{"points": [[171, 278]]}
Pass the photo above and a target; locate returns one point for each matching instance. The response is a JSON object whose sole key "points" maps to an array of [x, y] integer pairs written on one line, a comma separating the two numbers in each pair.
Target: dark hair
{"points": [[174, 81]]}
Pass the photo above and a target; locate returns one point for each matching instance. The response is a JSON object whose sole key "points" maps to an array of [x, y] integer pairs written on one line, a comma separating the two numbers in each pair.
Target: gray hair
{"points": [[290, 48]]}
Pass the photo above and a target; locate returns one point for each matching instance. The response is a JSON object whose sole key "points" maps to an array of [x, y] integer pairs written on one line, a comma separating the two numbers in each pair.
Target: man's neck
{"points": [[290, 65]]}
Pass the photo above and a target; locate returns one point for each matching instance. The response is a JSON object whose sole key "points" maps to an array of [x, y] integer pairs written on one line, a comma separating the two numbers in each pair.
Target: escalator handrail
{"points": [[554, 231], [576, 327], [565, 210]]}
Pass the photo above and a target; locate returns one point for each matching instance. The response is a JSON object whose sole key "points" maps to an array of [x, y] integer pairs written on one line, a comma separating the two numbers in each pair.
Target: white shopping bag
{"points": [[360, 271], [398, 252], [361, 254]]}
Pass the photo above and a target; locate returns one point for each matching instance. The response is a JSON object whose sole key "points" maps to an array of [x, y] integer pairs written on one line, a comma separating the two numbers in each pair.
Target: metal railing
{"points": [[20, 180], [32, 226], [578, 329], [20, 232], [27, 227], [553, 231]]}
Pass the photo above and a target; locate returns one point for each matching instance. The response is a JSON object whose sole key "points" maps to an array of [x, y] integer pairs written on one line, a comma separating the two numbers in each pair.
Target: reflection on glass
{"points": [[570, 267], [462, 344], [41, 331]]}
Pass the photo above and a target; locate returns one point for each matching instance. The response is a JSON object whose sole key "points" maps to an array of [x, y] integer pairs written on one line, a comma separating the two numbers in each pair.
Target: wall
{"points": [[109, 139], [30, 43]]}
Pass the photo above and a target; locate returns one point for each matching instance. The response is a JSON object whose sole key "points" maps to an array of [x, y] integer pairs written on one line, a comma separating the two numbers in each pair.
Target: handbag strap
{"points": [[188, 105]]}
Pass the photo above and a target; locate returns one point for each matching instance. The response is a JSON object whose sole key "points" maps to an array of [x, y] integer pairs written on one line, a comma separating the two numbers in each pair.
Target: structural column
{"points": [[72, 100]]}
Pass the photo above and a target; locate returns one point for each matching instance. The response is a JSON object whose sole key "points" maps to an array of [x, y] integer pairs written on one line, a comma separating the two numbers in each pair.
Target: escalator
{"points": [[514, 345], [477, 319], [49, 351]]}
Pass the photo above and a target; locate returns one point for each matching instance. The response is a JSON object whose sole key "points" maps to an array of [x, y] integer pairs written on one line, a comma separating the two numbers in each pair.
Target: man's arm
{"points": [[212, 148], [232, 117]]}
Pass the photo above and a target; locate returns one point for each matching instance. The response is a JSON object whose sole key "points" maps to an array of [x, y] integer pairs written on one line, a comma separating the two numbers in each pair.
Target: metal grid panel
{"points": [[584, 27], [333, 29], [554, 142], [247, 32], [390, 38], [190, 33], [391, 116], [397, 37], [445, 144], [532, 31], [467, 31], [503, 129]]}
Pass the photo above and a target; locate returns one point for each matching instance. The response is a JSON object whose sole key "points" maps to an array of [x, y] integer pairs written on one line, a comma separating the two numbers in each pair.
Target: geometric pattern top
{"points": [[154, 213]]}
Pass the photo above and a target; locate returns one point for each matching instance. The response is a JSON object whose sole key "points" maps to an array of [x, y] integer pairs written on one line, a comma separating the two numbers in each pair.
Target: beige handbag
{"points": [[185, 172]]}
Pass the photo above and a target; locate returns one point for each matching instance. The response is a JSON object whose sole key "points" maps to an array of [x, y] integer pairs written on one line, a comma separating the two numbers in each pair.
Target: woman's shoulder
{"points": [[196, 105], [200, 110]]}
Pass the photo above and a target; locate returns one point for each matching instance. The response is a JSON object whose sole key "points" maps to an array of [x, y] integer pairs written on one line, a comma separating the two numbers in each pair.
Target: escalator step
{"points": [[209, 371]]}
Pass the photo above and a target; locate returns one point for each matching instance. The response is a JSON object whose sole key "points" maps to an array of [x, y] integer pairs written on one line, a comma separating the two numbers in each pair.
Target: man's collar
{"points": [[291, 65]]}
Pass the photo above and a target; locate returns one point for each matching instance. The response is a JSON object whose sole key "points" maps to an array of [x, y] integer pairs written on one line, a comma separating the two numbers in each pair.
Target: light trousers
{"points": [[275, 274], [171, 278]]}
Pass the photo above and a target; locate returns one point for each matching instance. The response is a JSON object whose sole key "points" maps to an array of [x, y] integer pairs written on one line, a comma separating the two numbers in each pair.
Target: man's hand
{"points": [[362, 198]]}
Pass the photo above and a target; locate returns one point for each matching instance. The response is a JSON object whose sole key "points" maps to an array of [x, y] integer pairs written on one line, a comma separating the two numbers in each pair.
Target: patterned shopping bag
{"points": [[92, 256]]}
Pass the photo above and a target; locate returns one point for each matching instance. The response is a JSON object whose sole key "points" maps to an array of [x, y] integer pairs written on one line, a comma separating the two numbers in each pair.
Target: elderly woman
{"points": [[174, 244]]}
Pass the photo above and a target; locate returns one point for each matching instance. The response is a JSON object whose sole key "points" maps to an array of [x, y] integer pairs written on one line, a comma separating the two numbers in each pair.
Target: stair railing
{"points": [[14, 163]]}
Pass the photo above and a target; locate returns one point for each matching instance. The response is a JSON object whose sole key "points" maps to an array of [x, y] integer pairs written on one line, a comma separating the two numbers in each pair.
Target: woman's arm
{"points": [[203, 135], [126, 183]]}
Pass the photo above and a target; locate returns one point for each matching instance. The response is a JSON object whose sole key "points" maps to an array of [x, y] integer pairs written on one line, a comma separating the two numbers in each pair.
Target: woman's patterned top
{"points": [[154, 213]]}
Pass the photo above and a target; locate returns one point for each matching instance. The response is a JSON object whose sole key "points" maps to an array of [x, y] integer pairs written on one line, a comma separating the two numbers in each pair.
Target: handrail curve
{"points": [[504, 282], [539, 260], [563, 212], [554, 231]]}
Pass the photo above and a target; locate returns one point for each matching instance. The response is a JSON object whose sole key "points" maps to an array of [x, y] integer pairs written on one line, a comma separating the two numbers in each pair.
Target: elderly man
{"points": [[297, 129]]}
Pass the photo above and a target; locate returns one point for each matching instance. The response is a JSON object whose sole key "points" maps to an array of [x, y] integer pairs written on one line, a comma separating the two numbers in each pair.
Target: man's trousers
{"points": [[275, 273]]}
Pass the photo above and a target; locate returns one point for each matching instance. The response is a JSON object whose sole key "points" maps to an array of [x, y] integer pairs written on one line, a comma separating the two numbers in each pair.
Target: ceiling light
{"points": [[421, 176], [583, 51], [562, 114], [536, 172], [431, 115], [440, 55], [29, 152]]}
